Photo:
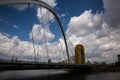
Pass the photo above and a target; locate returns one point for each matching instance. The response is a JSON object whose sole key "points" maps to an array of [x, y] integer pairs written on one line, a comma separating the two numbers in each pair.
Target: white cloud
{"points": [[100, 45], [39, 33], [63, 15], [15, 26], [7, 44], [52, 3], [21, 7], [24, 49], [44, 15], [5, 34], [84, 24], [3, 20], [99, 32]]}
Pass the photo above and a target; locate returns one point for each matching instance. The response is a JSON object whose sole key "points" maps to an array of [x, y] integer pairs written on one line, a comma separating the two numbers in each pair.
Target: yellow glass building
{"points": [[80, 54]]}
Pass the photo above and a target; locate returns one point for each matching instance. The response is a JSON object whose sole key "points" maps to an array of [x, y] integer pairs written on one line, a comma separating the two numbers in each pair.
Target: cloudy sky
{"points": [[93, 23]]}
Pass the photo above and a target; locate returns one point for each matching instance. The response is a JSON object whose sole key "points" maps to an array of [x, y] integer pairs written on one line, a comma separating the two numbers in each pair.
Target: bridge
{"points": [[36, 66], [66, 64]]}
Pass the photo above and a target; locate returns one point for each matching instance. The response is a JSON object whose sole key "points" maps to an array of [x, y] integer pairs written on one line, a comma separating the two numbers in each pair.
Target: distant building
{"points": [[118, 62], [95, 62], [79, 57], [49, 60], [103, 63], [88, 62], [72, 60], [118, 58]]}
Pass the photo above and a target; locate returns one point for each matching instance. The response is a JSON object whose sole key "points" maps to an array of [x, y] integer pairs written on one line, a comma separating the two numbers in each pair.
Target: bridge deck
{"points": [[33, 66]]}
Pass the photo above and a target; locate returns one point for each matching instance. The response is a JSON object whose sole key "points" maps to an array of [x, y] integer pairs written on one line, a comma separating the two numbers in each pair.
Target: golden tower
{"points": [[80, 54]]}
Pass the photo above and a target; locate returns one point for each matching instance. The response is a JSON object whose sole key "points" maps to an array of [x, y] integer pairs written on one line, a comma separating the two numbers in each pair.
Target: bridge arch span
{"points": [[43, 4]]}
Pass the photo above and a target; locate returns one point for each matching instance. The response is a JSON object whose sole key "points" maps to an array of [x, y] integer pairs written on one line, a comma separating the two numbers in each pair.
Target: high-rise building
{"points": [[80, 54], [118, 58]]}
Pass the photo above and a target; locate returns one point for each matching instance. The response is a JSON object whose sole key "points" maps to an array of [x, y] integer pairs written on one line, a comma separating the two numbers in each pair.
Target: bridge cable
{"points": [[30, 22], [39, 43], [72, 51], [38, 51], [56, 53], [62, 50], [71, 44], [9, 51], [59, 56], [22, 52], [37, 57], [42, 23]]}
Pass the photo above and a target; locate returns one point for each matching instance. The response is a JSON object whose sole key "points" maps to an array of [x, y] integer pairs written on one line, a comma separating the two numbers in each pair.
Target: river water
{"points": [[56, 75]]}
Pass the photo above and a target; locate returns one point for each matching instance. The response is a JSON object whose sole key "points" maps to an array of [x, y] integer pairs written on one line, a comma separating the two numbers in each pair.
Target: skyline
{"points": [[91, 23]]}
